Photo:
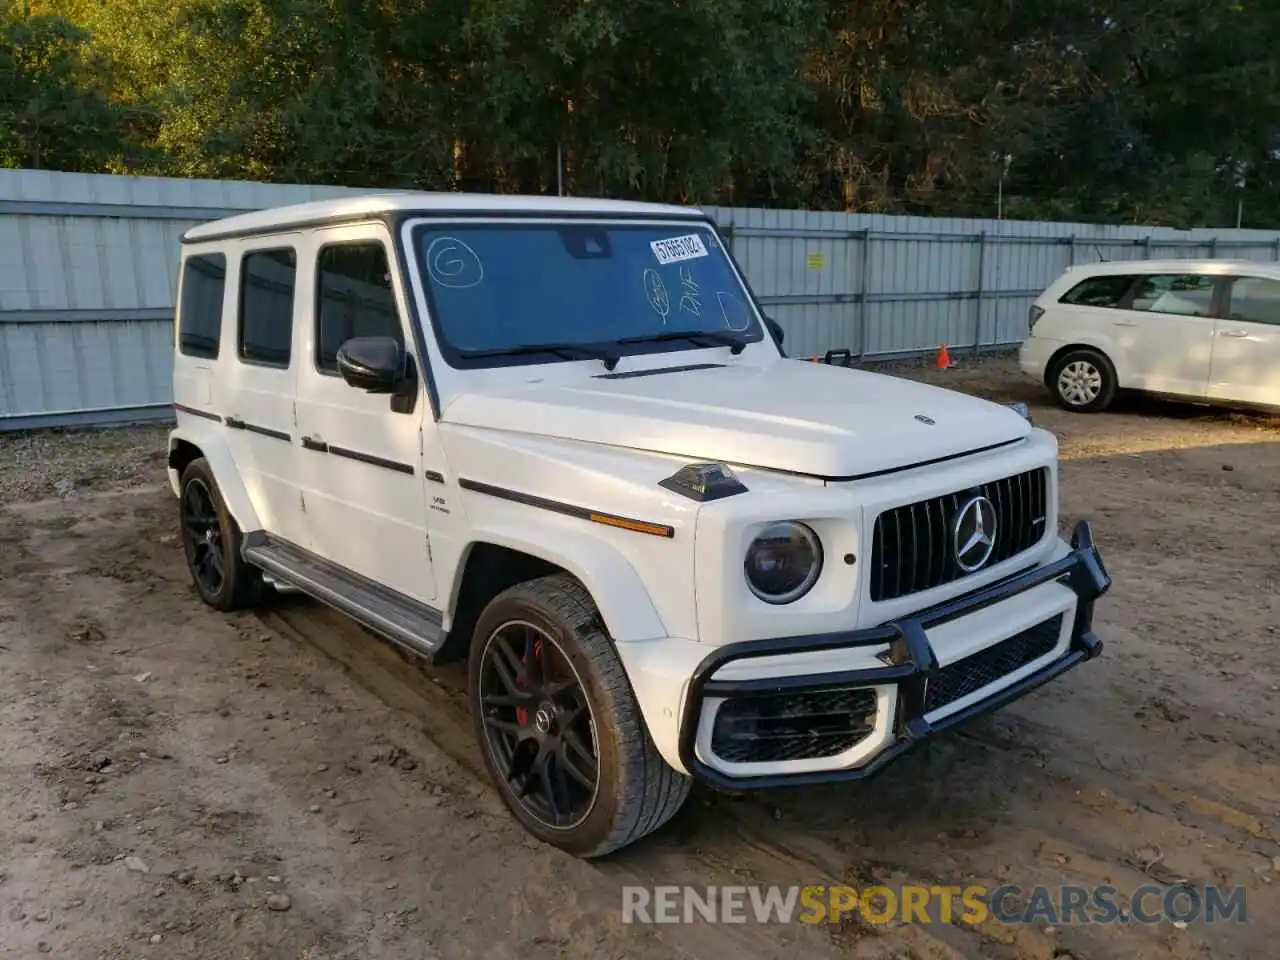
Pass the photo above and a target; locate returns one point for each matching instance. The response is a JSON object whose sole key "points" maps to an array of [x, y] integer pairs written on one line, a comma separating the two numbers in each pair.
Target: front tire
{"points": [[1083, 381], [211, 540], [559, 726]]}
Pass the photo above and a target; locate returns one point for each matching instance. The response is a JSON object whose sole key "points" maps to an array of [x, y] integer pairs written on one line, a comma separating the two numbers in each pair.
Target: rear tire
{"points": [[547, 688], [211, 540], [1082, 381]]}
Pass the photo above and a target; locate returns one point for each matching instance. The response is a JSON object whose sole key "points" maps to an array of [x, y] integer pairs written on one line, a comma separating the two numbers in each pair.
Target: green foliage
{"points": [[50, 114], [1126, 110]]}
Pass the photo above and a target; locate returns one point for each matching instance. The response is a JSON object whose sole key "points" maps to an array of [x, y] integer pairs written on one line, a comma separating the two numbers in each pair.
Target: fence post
{"points": [[1146, 247], [1276, 250], [864, 288], [982, 268], [1213, 249], [727, 232], [1072, 261]]}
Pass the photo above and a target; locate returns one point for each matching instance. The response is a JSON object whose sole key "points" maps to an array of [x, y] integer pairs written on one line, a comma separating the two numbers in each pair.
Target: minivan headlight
{"points": [[783, 562]]}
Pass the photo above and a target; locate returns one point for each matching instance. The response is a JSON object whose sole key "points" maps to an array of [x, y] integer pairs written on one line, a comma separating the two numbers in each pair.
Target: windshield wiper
{"points": [[567, 351], [716, 338]]}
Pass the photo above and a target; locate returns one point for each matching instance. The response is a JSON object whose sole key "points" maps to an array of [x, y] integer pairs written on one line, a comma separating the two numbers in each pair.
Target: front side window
{"points": [[1185, 295], [1105, 291], [354, 299], [204, 280], [267, 282], [500, 292], [1255, 300]]}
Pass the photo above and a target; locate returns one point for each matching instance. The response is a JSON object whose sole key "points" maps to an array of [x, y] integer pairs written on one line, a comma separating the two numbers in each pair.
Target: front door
{"points": [[1246, 348], [1166, 330], [362, 483]]}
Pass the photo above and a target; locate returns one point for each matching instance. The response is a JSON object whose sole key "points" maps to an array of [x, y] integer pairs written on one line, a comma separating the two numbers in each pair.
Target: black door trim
{"points": [[319, 446], [198, 413], [372, 460], [235, 423]]}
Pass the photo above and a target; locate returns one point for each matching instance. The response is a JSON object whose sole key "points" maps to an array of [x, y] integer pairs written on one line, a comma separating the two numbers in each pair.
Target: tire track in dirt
{"points": [[793, 838], [433, 702], [937, 818]]}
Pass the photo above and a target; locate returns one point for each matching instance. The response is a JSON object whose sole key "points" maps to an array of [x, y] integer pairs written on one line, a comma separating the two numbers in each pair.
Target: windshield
{"points": [[494, 288]]}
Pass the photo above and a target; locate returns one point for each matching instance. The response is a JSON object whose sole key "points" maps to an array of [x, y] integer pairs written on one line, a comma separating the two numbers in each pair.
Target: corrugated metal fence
{"points": [[88, 266]]}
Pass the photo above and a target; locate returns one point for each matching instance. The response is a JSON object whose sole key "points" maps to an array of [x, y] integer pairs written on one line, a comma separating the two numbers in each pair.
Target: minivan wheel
{"points": [[559, 726], [1083, 381], [211, 540]]}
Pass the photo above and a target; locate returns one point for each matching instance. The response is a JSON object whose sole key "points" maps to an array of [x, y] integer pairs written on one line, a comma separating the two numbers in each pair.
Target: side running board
{"points": [[412, 625]]}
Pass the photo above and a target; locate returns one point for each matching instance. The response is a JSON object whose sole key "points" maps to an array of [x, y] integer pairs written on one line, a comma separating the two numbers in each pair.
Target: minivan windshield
{"points": [[539, 292]]}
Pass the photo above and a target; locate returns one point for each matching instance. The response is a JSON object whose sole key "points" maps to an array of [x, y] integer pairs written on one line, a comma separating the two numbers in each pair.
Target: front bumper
{"points": [[910, 665]]}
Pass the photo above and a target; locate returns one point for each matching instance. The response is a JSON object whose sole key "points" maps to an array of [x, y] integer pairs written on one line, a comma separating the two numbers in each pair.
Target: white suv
{"points": [[1201, 330], [559, 438]]}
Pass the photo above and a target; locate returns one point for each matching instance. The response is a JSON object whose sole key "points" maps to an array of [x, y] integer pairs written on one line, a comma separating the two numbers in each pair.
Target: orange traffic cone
{"points": [[944, 357]]}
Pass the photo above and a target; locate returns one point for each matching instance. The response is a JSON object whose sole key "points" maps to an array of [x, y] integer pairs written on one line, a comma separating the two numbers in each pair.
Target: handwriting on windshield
{"points": [[453, 264], [656, 292], [735, 313], [689, 299]]}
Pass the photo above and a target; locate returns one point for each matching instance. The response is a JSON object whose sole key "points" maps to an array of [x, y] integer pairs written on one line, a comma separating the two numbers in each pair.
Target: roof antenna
{"points": [[1101, 258]]}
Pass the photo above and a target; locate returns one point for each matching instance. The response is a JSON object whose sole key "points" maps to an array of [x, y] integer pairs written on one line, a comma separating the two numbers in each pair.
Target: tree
{"points": [[1155, 110], [51, 115]]}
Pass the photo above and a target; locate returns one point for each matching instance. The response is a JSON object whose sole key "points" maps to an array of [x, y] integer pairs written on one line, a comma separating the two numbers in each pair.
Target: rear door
{"points": [[1246, 349], [1165, 327], [257, 381]]}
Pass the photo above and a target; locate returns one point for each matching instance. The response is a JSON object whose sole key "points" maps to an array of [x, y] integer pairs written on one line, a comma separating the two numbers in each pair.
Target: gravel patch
{"points": [[48, 464]]}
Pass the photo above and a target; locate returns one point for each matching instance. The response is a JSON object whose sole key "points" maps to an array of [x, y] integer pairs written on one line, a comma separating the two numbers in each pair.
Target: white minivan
{"points": [[1206, 330]]}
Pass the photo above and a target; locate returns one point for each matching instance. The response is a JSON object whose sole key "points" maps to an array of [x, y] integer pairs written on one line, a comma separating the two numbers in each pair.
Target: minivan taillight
{"points": [[1035, 314]]}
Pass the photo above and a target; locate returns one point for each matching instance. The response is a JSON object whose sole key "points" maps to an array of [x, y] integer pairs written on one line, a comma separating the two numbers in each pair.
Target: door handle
{"points": [[315, 443], [1124, 323], [1234, 334]]}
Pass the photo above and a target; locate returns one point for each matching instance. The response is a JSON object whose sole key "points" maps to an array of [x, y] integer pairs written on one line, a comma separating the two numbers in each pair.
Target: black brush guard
{"points": [[912, 664]]}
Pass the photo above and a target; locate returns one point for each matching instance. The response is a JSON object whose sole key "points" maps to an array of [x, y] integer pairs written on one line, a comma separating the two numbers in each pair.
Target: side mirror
{"points": [[775, 331], [373, 364]]}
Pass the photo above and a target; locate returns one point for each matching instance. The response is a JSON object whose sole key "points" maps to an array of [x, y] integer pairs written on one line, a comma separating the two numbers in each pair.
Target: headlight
{"points": [[783, 562]]}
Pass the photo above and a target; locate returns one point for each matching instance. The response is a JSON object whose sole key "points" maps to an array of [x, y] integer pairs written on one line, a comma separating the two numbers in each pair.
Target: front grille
{"points": [[767, 728], [912, 546], [985, 667]]}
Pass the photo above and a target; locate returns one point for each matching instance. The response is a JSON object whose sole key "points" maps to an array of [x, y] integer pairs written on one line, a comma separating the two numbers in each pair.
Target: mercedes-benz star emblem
{"points": [[974, 536], [542, 719]]}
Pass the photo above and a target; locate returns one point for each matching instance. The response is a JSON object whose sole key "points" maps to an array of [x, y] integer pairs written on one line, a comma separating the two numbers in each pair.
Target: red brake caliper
{"points": [[522, 713]]}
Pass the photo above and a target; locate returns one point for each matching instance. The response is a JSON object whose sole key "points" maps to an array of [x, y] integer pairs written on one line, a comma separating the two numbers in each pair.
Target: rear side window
{"points": [[1255, 299], [1184, 295], [355, 299], [204, 282], [267, 282], [1106, 291]]}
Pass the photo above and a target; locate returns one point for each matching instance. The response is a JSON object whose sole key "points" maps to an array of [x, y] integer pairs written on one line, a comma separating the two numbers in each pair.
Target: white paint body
{"points": [[788, 429], [1227, 352]]}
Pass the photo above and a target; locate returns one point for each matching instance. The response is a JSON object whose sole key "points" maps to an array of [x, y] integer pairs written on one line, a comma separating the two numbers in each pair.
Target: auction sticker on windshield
{"points": [[678, 248]]}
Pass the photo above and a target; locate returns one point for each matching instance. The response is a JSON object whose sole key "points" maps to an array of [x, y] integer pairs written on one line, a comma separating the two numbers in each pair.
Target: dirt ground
{"points": [[179, 784]]}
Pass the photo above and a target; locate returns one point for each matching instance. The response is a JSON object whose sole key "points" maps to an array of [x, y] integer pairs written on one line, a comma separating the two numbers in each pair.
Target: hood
{"points": [[792, 415]]}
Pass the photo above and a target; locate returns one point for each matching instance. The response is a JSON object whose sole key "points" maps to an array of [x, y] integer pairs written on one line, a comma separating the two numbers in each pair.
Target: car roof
{"points": [[377, 205], [1207, 266]]}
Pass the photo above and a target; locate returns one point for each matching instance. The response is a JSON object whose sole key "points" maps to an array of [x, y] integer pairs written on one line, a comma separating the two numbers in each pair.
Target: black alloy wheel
{"points": [[538, 725], [203, 537]]}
